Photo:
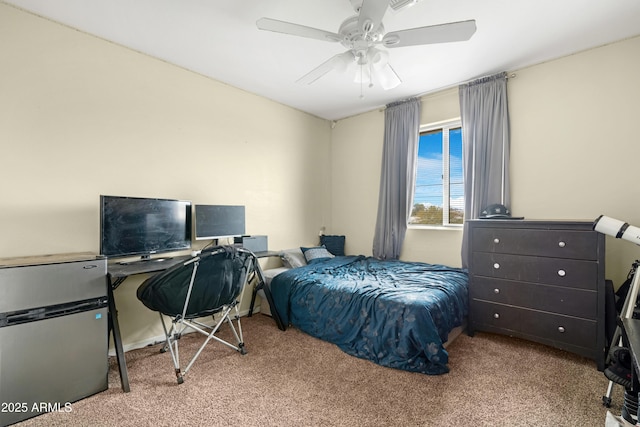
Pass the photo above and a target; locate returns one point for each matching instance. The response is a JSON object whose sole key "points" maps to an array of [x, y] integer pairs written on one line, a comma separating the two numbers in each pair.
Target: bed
{"points": [[393, 313]]}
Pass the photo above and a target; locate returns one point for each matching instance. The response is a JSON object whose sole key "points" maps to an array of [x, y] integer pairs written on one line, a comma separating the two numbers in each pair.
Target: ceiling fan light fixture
{"points": [[362, 75], [388, 78], [361, 57], [378, 58]]}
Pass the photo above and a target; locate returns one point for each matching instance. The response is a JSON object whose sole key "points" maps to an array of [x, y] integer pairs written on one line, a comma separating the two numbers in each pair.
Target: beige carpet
{"points": [[291, 379]]}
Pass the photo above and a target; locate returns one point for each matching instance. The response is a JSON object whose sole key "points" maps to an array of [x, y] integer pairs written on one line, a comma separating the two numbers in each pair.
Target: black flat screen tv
{"points": [[143, 226], [218, 221]]}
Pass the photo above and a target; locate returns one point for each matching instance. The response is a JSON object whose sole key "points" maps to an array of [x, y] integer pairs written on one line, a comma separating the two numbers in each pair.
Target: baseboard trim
{"points": [[161, 338]]}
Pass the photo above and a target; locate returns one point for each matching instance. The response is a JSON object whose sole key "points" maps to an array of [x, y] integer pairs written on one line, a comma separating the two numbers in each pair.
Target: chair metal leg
{"points": [[188, 317], [172, 345]]}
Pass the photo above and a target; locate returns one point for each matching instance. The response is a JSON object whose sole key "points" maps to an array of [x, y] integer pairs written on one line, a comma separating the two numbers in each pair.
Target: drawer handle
{"points": [[561, 329], [496, 291], [562, 244], [496, 240], [496, 316], [496, 266], [562, 273]]}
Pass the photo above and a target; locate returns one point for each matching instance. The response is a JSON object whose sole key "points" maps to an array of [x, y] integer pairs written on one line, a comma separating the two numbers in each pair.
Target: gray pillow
{"points": [[293, 258], [316, 254]]}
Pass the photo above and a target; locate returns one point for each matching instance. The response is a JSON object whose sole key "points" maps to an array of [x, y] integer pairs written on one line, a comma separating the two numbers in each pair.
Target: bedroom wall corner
{"points": [[80, 117], [356, 155]]}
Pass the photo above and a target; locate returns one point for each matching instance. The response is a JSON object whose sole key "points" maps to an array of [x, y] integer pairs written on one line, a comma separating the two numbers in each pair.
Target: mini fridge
{"points": [[53, 333]]}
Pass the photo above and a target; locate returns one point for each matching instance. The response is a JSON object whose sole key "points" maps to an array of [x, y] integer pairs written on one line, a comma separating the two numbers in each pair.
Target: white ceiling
{"points": [[220, 39]]}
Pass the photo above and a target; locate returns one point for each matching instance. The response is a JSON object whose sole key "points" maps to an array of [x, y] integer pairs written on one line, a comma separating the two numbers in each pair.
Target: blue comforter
{"points": [[394, 313]]}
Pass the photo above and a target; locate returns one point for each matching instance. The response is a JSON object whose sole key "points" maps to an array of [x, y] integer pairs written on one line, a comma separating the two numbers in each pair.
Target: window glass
{"points": [[439, 188]]}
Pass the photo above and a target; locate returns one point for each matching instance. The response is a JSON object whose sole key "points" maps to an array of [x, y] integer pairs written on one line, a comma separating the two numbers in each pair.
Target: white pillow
{"points": [[293, 258]]}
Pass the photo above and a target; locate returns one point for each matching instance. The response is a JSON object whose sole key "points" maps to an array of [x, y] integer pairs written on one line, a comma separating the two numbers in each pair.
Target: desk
{"points": [[118, 273]]}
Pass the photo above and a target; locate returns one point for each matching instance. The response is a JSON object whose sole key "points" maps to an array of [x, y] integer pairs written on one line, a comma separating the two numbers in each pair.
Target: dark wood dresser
{"points": [[539, 280]]}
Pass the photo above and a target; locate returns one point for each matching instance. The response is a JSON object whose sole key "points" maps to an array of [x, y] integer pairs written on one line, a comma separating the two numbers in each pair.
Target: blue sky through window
{"points": [[429, 182]]}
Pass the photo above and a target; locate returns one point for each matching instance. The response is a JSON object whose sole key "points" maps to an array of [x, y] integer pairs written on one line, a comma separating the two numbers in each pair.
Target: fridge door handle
{"points": [[41, 313]]}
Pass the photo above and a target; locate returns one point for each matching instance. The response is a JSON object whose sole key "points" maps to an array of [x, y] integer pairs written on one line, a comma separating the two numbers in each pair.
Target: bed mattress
{"points": [[394, 313]]}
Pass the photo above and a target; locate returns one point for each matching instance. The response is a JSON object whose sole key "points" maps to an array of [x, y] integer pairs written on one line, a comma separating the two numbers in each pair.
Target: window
{"points": [[438, 187]]}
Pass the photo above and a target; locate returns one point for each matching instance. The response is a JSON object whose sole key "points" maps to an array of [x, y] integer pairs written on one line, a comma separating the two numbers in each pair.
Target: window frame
{"points": [[445, 126]]}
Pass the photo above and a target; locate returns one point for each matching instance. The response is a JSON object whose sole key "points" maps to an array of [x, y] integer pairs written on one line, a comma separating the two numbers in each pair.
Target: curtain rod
{"points": [[510, 75]]}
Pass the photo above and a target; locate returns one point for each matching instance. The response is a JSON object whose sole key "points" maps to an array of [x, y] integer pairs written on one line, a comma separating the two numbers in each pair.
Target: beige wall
{"points": [[574, 150], [575, 142], [80, 117]]}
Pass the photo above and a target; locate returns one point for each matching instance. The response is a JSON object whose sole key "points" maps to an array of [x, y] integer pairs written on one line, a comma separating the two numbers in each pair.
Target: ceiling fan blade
{"points": [[371, 14], [443, 33], [387, 77], [337, 62], [283, 27]]}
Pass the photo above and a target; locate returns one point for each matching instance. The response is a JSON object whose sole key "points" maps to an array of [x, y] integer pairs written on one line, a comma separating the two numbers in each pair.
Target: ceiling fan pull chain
{"points": [[370, 74]]}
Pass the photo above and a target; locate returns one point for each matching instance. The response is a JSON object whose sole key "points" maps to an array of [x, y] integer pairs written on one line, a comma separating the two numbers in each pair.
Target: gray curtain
{"points": [[485, 131], [401, 133]]}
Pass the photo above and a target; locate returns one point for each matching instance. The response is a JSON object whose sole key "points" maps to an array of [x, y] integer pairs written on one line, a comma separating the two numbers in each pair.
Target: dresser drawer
{"points": [[531, 323], [541, 280], [548, 243], [551, 271], [554, 299]]}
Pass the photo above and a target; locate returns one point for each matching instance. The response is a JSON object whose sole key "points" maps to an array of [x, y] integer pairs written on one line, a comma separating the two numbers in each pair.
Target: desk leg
{"points": [[256, 288], [274, 312], [262, 285], [114, 326]]}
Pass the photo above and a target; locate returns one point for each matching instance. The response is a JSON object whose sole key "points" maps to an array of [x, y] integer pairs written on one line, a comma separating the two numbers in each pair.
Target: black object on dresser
{"points": [[539, 280]]}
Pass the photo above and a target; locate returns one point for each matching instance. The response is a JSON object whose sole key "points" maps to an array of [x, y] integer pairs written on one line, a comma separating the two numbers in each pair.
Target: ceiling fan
{"points": [[363, 34]]}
